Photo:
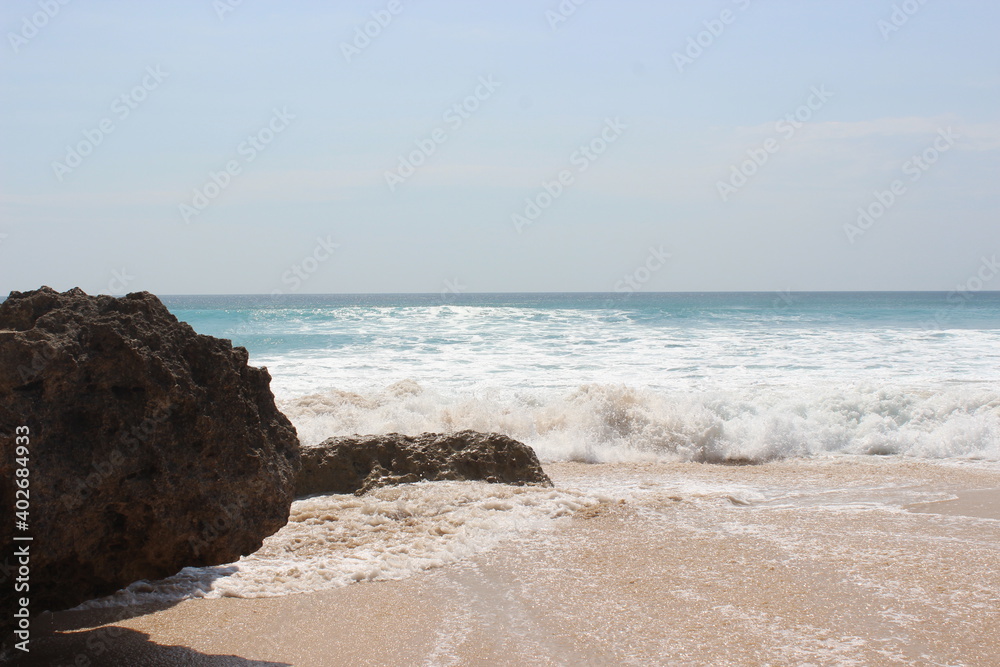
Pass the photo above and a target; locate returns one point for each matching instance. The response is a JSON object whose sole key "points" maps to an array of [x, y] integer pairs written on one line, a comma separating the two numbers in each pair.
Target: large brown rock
{"points": [[357, 464], [152, 448]]}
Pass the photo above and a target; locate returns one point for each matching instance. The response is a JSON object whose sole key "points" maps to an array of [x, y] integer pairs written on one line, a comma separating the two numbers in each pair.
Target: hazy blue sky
{"points": [[115, 113]]}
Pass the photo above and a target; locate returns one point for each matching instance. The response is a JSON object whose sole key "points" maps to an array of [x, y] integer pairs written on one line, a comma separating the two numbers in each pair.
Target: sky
{"points": [[254, 147]]}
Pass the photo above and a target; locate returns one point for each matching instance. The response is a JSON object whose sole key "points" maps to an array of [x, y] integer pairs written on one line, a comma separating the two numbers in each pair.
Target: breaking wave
{"points": [[616, 423]]}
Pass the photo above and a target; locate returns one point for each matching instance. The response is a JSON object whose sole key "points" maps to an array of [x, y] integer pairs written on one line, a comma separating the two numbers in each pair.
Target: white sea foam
{"points": [[390, 533], [612, 423], [460, 348]]}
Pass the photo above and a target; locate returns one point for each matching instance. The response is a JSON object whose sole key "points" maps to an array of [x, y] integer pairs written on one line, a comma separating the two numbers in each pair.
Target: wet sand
{"points": [[982, 503], [866, 562]]}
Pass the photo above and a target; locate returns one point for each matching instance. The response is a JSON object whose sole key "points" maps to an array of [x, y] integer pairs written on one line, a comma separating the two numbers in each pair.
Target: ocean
{"points": [[829, 409], [742, 377]]}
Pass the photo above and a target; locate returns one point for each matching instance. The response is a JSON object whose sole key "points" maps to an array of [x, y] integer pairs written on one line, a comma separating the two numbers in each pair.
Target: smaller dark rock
{"points": [[357, 464]]}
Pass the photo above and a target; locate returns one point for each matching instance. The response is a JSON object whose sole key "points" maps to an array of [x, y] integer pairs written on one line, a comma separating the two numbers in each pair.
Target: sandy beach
{"points": [[849, 562]]}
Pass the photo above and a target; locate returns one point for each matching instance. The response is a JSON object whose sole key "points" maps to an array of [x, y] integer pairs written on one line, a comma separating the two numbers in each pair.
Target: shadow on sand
{"points": [[112, 646], [89, 638]]}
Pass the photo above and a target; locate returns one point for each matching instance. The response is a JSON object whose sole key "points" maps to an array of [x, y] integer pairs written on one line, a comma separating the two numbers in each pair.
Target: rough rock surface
{"points": [[357, 464], [152, 448]]}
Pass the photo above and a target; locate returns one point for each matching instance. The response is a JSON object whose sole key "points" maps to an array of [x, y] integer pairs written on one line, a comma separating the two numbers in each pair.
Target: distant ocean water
{"points": [[613, 377]]}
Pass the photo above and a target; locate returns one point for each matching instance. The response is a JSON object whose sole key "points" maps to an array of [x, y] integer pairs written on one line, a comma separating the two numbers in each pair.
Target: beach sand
{"points": [[854, 561]]}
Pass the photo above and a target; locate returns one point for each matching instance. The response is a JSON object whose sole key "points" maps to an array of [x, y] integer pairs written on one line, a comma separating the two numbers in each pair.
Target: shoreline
{"points": [[979, 503], [788, 562]]}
